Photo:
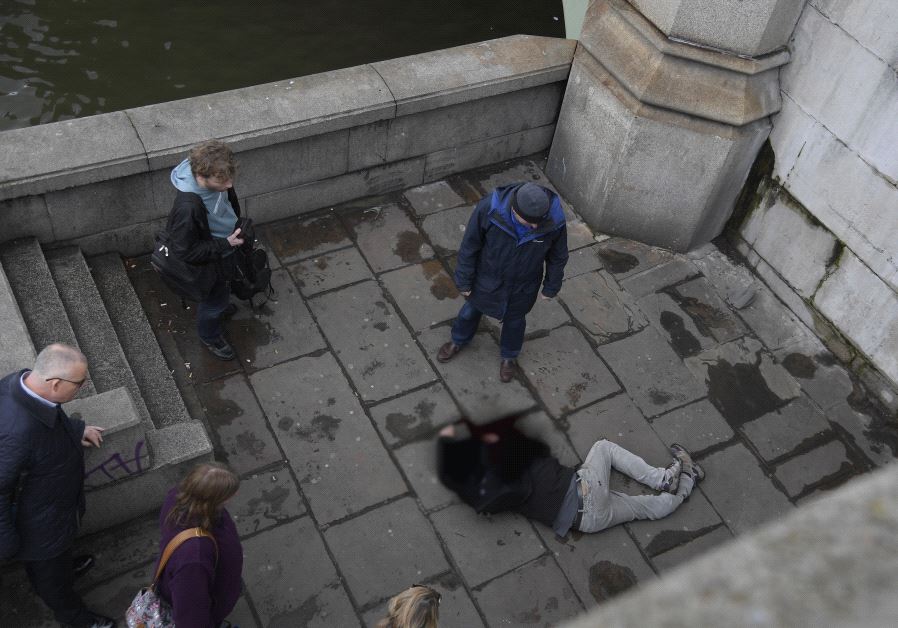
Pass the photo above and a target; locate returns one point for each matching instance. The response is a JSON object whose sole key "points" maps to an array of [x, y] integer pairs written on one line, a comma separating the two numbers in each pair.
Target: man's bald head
{"points": [[59, 360]]}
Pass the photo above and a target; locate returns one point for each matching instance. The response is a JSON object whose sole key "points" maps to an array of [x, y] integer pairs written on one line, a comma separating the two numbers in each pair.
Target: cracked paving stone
{"points": [[287, 592], [371, 341], [657, 278], [779, 432], [601, 307], [387, 237], [265, 499], [871, 431], [623, 258], [330, 443], [416, 415], [536, 593], [802, 472], [582, 261], [565, 370]]}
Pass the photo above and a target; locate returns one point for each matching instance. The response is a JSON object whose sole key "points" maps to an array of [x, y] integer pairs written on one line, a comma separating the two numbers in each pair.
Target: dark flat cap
{"points": [[531, 202]]}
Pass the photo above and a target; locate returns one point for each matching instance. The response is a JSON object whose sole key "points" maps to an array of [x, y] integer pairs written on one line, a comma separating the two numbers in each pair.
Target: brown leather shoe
{"points": [[447, 351], [506, 370]]}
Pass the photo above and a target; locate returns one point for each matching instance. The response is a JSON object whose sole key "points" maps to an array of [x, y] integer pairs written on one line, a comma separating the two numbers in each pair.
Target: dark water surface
{"points": [[61, 59]]}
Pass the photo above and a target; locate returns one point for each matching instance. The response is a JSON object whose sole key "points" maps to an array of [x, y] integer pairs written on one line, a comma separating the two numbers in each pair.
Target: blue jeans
{"points": [[208, 312], [510, 341]]}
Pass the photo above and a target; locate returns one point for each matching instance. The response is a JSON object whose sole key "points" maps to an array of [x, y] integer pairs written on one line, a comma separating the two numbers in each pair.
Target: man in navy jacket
{"points": [[515, 242], [42, 479]]}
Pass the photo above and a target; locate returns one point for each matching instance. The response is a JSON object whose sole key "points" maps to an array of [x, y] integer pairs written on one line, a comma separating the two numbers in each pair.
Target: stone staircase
{"points": [[150, 440]]}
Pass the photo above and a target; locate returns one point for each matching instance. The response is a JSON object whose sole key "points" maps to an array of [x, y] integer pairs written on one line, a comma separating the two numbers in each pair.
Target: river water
{"points": [[61, 59]]}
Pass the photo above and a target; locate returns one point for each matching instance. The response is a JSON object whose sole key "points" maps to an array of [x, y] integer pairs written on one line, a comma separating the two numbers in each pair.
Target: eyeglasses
{"points": [[63, 379], [432, 590]]}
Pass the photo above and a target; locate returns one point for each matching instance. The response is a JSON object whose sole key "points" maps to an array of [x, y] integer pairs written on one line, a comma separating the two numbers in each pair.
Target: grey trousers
{"points": [[604, 508]]}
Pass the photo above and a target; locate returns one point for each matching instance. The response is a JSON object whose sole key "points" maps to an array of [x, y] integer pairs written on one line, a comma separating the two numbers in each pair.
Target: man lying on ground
{"points": [[496, 468]]}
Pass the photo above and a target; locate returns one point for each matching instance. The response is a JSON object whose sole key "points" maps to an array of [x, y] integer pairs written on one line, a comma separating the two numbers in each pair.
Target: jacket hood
{"points": [[182, 178]]}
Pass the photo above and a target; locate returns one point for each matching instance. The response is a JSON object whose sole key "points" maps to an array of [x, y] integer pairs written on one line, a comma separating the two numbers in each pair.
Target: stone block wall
{"points": [[102, 182], [821, 225]]}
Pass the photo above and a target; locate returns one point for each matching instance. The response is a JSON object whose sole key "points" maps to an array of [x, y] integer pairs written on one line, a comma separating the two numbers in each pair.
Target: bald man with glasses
{"points": [[42, 479]]}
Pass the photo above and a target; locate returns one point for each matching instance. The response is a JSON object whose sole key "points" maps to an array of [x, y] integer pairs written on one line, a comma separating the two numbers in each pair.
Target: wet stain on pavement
{"points": [[269, 501], [551, 604], [294, 238], [285, 423], [322, 426], [800, 365], [706, 317], [617, 262], [249, 443], [880, 429], [381, 326], [659, 397], [320, 263], [220, 411], [606, 579], [369, 370], [405, 426], [531, 616], [740, 392], [669, 539], [308, 613], [408, 246], [684, 343], [443, 288]]}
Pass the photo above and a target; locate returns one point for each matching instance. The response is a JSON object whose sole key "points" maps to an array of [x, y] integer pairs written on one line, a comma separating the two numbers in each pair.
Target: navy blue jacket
{"points": [[41, 472], [503, 275]]}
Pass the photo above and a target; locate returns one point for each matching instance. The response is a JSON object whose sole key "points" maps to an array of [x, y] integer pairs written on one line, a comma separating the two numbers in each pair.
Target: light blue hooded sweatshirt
{"points": [[222, 218]]}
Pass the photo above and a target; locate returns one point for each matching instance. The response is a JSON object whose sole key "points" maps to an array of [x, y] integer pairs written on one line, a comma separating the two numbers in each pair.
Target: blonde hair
{"points": [[202, 494], [212, 158], [416, 607]]}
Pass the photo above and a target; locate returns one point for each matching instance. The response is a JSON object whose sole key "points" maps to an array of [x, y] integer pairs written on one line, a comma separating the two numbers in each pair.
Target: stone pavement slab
{"points": [[601, 307], [773, 322], [416, 415], [710, 314], [329, 271], [778, 433], [305, 236], [599, 566], [332, 446], [265, 499], [677, 328], [579, 234], [740, 491], [113, 598], [425, 293], [241, 434], [871, 431], [372, 342], [385, 550], [742, 380], [692, 519], [387, 237], [456, 608], [565, 371], [624, 258], [292, 581], [651, 372], [136, 544], [618, 420], [278, 330], [693, 549], [473, 377], [419, 463], [446, 228], [818, 373], [659, 277], [802, 472], [535, 594], [485, 546], [696, 426], [582, 261], [432, 197]]}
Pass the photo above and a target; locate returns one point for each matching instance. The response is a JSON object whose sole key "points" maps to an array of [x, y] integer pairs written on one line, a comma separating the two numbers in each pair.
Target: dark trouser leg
{"points": [[465, 325], [512, 338], [53, 581], [208, 312]]}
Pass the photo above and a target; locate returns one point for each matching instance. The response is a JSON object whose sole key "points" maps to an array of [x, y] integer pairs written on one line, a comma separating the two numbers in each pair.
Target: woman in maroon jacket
{"points": [[202, 578]]}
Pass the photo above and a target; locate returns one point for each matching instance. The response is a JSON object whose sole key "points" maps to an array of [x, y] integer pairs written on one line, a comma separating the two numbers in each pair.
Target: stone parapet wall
{"points": [[822, 220], [102, 182]]}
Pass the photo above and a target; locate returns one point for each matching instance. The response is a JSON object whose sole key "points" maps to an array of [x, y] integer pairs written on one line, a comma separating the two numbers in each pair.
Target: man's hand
{"points": [[466, 294], [234, 239], [93, 436]]}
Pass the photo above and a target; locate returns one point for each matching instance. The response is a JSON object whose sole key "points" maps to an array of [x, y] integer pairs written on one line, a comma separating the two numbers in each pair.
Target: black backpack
{"points": [[189, 281], [252, 274]]}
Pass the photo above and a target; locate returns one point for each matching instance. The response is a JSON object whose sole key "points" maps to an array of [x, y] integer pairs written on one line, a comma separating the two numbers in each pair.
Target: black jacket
{"points": [[517, 473], [41, 475], [190, 236]]}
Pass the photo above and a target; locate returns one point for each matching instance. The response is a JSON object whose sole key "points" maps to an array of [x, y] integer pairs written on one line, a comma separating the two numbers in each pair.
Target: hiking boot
{"points": [[447, 351], [221, 349], [687, 465], [507, 370], [672, 477]]}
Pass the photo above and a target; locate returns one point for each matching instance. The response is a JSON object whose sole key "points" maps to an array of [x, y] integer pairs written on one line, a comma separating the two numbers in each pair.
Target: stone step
{"points": [[37, 297], [154, 378], [124, 451], [96, 336], [175, 449], [16, 349]]}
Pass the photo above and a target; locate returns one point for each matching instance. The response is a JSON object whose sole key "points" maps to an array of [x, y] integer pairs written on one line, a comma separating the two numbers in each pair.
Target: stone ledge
{"points": [[830, 563]]}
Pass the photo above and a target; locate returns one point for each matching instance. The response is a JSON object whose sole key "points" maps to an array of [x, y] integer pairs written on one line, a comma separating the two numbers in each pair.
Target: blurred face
{"points": [[216, 183]]}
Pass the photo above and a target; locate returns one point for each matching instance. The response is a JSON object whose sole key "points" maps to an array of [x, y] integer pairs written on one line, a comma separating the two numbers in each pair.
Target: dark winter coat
{"points": [[192, 240], [503, 275], [41, 475], [201, 585]]}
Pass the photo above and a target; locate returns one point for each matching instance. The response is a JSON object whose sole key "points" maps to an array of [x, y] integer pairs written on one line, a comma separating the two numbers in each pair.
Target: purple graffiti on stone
{"points": [[116, 462]]}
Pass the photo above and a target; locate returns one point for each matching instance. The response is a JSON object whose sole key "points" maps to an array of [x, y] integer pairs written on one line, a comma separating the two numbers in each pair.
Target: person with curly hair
{"points": [[416, 607]]}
